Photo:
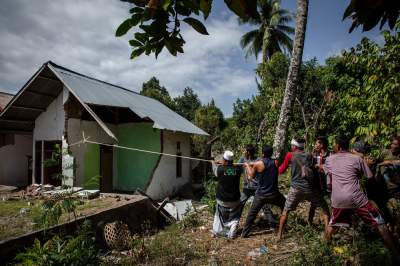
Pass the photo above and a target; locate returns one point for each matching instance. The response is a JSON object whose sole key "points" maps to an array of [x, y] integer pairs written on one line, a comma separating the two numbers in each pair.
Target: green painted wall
{"points": [[92, 167], [135, 168]]}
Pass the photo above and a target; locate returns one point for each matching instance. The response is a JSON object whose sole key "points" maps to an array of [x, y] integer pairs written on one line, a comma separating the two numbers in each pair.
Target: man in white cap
{"points": [[303, 186], [229, 208]]}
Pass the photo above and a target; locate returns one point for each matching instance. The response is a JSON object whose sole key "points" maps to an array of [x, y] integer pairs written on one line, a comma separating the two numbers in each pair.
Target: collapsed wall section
{"points": [[171, 173]]}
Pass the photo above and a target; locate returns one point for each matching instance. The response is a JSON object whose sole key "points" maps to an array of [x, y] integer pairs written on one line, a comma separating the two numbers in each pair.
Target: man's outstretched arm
{"points": [[285, 164]]}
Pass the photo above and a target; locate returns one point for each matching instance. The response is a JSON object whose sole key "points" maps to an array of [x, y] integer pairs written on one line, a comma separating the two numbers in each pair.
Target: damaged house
{"points": [[57, 106]]}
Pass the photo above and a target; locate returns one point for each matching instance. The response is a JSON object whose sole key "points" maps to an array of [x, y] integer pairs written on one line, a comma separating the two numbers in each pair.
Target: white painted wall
{"points": [[49, 125], [95, 133], [164, 182], [14, 163]]}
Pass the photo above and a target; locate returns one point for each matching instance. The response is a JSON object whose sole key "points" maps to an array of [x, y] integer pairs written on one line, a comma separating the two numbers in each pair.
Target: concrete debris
{"points": [[179, 209], [6, 191], [47, 190], [88, 193], [60, 191], [24, 210], [257, 252]]}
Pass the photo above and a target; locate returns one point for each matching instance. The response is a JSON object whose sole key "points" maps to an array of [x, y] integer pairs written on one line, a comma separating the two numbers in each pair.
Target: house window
{"points": [[178, 160]]}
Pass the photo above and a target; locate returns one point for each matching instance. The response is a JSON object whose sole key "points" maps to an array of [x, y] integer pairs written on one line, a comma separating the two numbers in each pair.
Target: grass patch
{"points": [[349, 246], [14, 223], [168, 247]]}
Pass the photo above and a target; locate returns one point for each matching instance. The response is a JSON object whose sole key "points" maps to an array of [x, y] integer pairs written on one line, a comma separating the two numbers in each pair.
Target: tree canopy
{"points": [[158, 22], [272, 33], [188, 103], [153, 89], [368, 13]]}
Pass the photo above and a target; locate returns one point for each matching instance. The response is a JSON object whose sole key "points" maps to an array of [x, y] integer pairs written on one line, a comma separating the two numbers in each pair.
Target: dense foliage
{"points": [[355, 94], [366, 82]]}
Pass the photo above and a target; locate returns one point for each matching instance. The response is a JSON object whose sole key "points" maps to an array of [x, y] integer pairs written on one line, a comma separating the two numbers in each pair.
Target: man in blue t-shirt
{"points": [[267, 189]]}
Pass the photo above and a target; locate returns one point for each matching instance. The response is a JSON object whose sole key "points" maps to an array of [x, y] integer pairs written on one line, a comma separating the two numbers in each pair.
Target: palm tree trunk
{"points": [[291, 82], [265, 44]]}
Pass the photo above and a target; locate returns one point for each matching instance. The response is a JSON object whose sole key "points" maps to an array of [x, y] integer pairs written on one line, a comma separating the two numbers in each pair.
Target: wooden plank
{"points": [[17, 132], [41, 94], [27, 108], [17, 121]]}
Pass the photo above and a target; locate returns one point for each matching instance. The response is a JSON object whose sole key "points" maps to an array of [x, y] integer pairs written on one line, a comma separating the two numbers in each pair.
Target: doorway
{"points": [[52, 162], [48, 162], [106, 169]]}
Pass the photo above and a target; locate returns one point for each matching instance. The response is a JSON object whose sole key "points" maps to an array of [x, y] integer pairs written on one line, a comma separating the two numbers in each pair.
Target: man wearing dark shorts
{"points": [[301, 187], [250, 185], [267, 189], [344, 170]]}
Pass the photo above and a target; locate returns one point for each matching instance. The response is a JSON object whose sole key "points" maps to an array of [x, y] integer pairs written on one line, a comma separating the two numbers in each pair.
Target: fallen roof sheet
{"points": [[93, 91]]}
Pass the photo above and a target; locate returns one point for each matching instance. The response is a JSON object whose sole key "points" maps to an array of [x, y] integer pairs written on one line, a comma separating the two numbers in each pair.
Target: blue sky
{"points": [[80, 35]]}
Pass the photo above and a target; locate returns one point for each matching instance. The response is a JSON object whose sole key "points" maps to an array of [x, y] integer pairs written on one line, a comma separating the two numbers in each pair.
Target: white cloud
{"points": [[80, 35]]}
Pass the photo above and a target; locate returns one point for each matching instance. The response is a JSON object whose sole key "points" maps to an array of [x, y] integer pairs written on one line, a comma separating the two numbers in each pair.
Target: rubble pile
{"points": [[47, 190]]}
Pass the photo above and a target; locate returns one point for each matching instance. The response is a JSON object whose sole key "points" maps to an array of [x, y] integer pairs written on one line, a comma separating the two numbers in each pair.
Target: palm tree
{"points": [[292, 79], [272, 34]]}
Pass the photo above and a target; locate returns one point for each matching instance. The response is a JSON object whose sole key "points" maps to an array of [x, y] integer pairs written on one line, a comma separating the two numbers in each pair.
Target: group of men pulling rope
{"points": [[314, 176]]}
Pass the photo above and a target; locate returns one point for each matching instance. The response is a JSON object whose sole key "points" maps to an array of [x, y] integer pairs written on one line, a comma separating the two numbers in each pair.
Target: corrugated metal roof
{"points": [[93, 91]]}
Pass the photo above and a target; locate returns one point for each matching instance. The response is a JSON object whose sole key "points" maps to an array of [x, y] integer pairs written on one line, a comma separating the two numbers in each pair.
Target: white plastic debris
{"points": [[178, 209]]}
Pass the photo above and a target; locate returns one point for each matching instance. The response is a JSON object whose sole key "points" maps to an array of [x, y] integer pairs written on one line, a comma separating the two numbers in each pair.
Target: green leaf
{"points": [[243, 9], [166, 4], [197, 25], [139, 2], [135, 43], [349, 10], [136, 53], [171, 48], [159, 48], [136, 18], [124, 27], [140, 36], [136, 10], [205, 7]]}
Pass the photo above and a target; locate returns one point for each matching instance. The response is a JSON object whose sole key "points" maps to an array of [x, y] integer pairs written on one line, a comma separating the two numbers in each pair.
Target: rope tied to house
{"points": [[86, 140]]}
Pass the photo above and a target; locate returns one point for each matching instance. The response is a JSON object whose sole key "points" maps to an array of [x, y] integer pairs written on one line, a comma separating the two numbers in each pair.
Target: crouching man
{"points": [[229, 208]]}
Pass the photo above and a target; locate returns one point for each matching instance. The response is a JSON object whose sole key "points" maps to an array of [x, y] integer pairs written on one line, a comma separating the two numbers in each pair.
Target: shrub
{"points": [[209, 197], [68, 250]]}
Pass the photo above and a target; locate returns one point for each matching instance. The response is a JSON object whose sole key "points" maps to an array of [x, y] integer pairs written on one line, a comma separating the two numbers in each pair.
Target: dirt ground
{"points": [[223, 251]]}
